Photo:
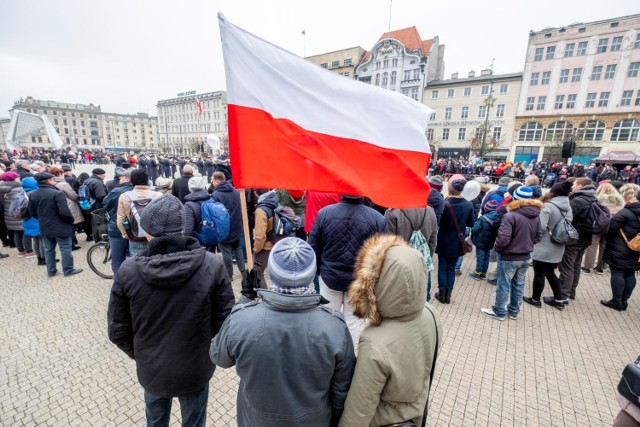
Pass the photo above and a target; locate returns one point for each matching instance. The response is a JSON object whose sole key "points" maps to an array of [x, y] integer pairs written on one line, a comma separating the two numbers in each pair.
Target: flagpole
{"points": [[245, 226], [304, 43], [390, 6]]}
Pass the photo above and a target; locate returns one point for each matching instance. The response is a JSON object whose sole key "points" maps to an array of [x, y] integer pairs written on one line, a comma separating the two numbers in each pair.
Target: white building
{"points": [[130, 132], [184, 128], [4, 131]]}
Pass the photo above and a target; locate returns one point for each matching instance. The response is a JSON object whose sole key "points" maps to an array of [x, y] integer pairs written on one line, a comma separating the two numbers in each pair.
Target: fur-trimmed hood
{"points": [[517, 204], [390, 280]]}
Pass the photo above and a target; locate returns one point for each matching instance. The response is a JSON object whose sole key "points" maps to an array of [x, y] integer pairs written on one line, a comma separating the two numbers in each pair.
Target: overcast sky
{"points": [[125, 55]]}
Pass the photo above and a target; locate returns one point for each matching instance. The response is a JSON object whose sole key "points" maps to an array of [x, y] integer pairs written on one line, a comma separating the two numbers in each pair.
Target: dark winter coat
{"points": [[49, 206], [436, 201], [618, 255], [581, 201], [483, 232], [97, 191], [520, 230], [12, 193], [338, 234], [110, 203], [24, 173], [230, 198], [166, 305], [180, 186], [192, 211], [449, 244]]}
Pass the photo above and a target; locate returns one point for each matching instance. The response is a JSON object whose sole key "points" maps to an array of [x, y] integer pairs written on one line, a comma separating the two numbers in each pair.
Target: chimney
{"points": [[454, 76], [486, 72], [472, 73]]}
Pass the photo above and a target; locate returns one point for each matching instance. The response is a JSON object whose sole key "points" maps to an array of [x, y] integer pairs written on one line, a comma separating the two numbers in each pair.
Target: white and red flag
{"points": [[295, 125], [198, 105]]}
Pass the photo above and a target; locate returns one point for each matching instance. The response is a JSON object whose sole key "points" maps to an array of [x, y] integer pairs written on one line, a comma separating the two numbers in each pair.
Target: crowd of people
{"points": [[333, 261]]}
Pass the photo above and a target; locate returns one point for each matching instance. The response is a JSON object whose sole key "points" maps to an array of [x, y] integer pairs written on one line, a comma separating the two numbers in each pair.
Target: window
{"points": [[393, 78], [559, 131], [433, 115], [385, 63], [638, 98], [538, 55], [531, 131], [626, 98], [394, 62], [591, 100], [626, 130], [616, 43], [414, 93], [551, 52], [335, 64], [564, 75], [500, 110], [407, 76], [450, 93], [467, 91], [377, 83], [497, 133], [582, 49], [347, 62], [559, 102], [604, 99], [571, 100], [434, 94], [324, 65], [592, 130], [447, 113], [596, 72], [66, 131], [633, 69], [385, 79], [55, 121], [541, 101], [445, 134], [504, 88], [530, 101], [611, 71], [546, 76], [637, 43], [534, 79], [405, 91], [568, 49], [464, 113], [416, 74], [577, 74], [482, 111], [461, 133], [430, 134], [64, 122], [602, 45]]}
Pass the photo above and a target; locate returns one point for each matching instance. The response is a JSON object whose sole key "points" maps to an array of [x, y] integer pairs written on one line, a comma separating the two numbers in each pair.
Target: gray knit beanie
{"points": [[163, 217], [196, 183], [292, 264]]}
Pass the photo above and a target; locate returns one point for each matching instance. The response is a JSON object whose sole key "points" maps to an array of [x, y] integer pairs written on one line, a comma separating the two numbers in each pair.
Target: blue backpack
{"points": [[214, 223], [84, 196]]}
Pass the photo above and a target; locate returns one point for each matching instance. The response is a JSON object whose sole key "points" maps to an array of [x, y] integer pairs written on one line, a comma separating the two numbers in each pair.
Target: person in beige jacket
{"points": [[141, 189], [72, 198], [397, 348]]}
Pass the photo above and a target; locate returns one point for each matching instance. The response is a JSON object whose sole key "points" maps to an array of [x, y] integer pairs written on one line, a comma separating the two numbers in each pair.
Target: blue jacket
{"points": [[436, 201], [30, 224], [230, 198], [110, 203], [449, 244], [483, 234], [497, 195], [338, 234]]}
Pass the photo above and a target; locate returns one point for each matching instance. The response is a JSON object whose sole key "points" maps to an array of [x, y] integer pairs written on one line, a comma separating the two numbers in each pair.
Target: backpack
{"points": [[285, 221], [132, 222], [16, 205], [84, 196], [564, 233], [597, 218], [418, 242], [214, 223]]}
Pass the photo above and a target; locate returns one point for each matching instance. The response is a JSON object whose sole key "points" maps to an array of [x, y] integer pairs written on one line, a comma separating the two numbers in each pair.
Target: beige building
{"points": [[78, 125], [464, 106], [183, 128], [341, 62], [130, 132]]}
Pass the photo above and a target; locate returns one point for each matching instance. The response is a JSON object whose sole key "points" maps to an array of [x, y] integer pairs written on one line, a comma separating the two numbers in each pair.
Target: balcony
{"points": [[412, 82]]}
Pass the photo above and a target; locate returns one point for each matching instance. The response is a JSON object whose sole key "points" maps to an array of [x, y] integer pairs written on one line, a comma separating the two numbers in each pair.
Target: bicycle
{"points": [[99, 254]]}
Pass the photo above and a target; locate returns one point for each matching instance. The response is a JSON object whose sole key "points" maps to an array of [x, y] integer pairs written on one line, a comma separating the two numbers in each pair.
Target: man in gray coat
{"points": [[268, 341]]}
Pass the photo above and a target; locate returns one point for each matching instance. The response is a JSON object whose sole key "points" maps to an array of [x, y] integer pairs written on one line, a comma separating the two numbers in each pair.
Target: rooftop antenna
{"points": [[390, 6]]}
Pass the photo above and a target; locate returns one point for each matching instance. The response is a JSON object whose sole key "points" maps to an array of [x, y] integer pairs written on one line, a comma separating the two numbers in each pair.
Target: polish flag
{"points": [[198, 105], [295, 125]]}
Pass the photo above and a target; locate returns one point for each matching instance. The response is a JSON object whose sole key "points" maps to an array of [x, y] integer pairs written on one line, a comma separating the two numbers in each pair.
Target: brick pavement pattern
{"points": [[547, 368]]}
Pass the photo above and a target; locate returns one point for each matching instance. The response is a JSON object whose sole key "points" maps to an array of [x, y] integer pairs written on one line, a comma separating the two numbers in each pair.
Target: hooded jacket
{"points": [[263, 227], [403, 222], [483, 232], [30, 224], [436, 201], [618, 255], [519, 230], [581, 201], [288, 335], [72, 198], [230, 198], [193, 212], [166, 305], [497, 195], [12, 192], [396, 350], [110, 203], [546, 250]]}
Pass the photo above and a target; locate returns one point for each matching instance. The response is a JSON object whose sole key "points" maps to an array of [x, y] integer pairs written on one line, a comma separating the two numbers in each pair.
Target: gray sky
{"points": [[127, 54]]}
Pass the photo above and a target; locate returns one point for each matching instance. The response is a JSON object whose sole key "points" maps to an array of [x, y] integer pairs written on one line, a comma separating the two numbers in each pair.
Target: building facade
{"points": [[581, 81], [341, 62], [465, 107], [401, 61], [4, 131], [183, 127], [130, 132], [78, 125]]}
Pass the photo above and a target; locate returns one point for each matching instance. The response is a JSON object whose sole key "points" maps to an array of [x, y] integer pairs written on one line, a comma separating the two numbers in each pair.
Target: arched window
{"points": [[559, 131], [385, 79], [626, 130], [531, 131], [591, 130], [393, 78], [377, 79]]}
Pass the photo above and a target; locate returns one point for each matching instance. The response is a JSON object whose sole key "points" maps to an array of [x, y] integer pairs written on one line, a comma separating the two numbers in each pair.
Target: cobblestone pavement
{"points": [[547, 368]]}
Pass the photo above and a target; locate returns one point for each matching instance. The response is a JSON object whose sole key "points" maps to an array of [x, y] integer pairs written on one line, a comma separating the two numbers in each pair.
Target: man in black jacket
{"points": [[230, 198], [180, 186], [166, 305], [49, 206]]}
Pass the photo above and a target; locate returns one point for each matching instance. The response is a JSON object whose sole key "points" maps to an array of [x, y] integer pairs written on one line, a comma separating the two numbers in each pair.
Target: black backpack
{"points": [[597, 218]]}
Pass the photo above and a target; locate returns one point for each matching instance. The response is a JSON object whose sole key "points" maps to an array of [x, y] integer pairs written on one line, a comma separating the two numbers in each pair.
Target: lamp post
{"points": [[488, 102]]}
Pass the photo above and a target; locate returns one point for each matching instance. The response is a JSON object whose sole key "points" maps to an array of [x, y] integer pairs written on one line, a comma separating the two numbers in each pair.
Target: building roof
{"points": [[192, 98], [489, 77], [409, 37]]}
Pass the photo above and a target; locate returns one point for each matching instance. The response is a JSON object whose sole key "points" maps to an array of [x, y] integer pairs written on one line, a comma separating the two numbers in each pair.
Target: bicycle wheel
{"points": [[99, 259]]}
